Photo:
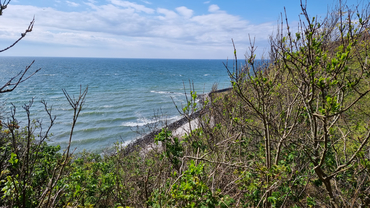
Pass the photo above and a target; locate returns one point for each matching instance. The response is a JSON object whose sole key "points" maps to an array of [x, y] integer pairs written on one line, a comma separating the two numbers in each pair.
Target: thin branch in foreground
{"points": [[21, 79], [3, 6], [29, 29]]}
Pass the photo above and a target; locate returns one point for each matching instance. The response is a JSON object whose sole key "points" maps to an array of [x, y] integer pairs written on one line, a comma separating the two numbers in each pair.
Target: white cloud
{"points": [[168, 14], [213, 8], [92, 1], [122, 26], [184, 11], [72, 4], [147, 2], [206, 2], [135, 6]]}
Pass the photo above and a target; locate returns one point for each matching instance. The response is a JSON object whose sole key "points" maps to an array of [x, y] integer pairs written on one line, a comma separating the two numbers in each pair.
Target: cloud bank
{"points": [[127, 29]]}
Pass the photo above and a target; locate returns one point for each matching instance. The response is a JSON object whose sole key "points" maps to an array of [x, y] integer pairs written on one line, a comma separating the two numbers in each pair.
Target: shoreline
{"points": [[177, 128]]}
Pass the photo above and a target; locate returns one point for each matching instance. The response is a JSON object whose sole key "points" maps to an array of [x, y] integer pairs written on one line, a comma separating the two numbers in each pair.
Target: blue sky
{"points": [[192, 29]]}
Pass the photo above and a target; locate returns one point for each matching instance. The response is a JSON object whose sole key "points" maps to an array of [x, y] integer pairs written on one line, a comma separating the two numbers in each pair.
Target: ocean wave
{"points": [[114, 102], [102, 113], [108, 120], [138, 123], [78, 141], [87, 130], [144, 121], [164, 92], [160, 92]]}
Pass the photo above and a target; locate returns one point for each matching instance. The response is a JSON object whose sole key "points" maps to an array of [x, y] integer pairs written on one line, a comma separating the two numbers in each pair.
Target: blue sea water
{"points": [[122, 94]]}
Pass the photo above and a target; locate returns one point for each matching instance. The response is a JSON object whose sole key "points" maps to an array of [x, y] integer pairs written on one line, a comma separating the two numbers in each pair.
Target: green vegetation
{"points": [[293, 132]]}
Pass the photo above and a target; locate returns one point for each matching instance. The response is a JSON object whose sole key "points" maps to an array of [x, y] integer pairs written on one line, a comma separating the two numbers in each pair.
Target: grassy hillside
{"points": [[293, 132]]}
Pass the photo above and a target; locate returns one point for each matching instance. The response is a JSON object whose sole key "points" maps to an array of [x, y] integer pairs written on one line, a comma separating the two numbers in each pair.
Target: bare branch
{"points": [[29, 29], [3, 6], [20, 79]]}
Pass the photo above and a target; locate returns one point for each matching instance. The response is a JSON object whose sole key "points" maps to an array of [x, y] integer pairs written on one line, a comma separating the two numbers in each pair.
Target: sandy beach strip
{"points": [[178, 128]]}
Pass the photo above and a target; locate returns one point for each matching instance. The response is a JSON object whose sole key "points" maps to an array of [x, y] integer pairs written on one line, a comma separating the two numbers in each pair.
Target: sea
{"points": [[126, 97]]}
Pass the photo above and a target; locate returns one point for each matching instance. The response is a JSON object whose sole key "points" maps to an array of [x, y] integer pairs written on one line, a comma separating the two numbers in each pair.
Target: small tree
{"points": [[32, 171], [303, 99], [327, 63]]}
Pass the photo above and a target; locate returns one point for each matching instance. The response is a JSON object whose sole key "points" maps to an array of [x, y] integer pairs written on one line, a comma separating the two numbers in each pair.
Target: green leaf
{"points": [[13, 159]]}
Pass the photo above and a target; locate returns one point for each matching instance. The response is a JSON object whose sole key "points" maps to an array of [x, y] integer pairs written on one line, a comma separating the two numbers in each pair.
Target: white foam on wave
{"points": [[132, 124], [206, 75], [56, 97], [139, 122], [164, 92], [159, 92], [174, 118], [125, 143], [143, 121]]}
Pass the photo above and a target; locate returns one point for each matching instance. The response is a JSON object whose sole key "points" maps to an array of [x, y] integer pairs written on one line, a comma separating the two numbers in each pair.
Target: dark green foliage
{"points": [[190, 191], [172, 147], [90, 181]]}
